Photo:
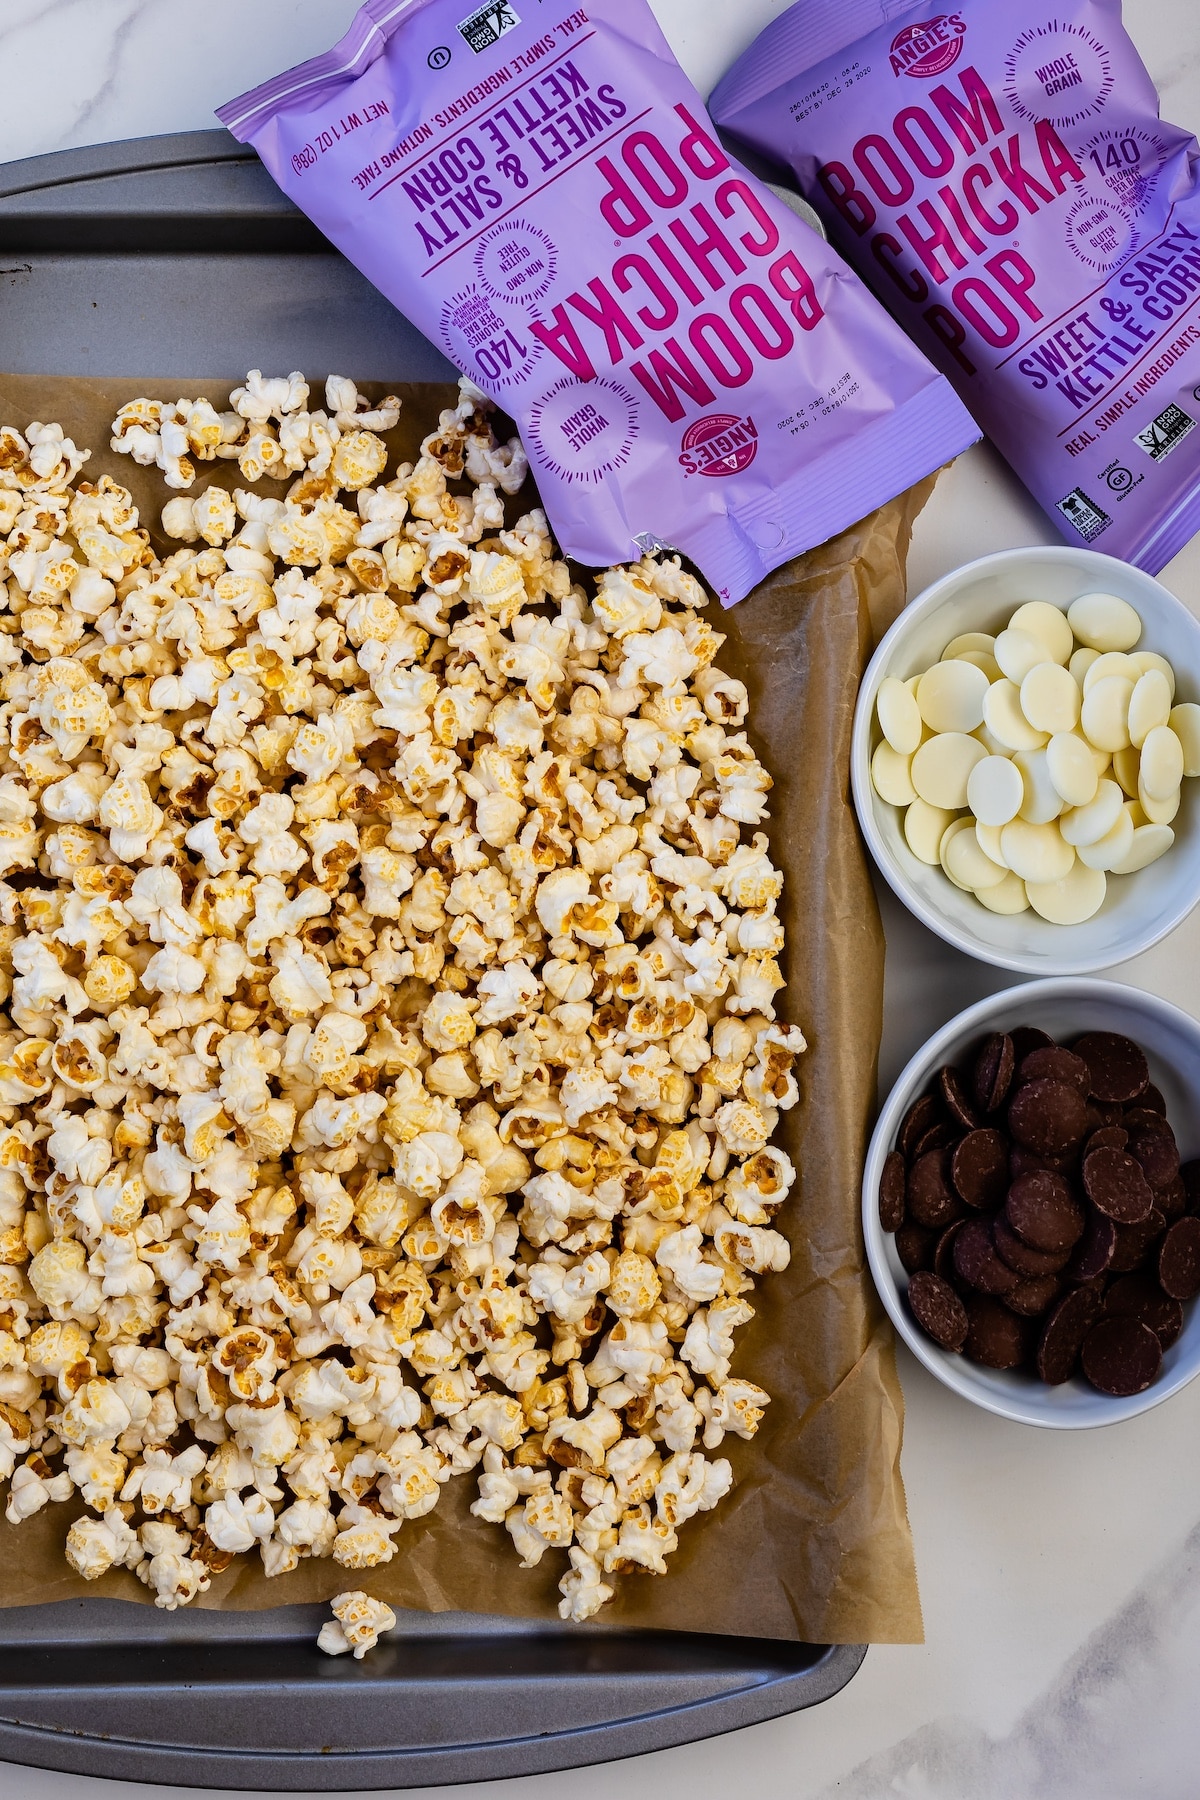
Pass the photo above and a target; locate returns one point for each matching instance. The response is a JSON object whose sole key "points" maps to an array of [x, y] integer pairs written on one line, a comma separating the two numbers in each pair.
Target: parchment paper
{"points": [[813, 1543]]}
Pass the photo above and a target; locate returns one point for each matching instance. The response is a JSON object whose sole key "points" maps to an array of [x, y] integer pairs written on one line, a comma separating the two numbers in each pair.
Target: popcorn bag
{"points": [[689, 365], [1000, 176]]}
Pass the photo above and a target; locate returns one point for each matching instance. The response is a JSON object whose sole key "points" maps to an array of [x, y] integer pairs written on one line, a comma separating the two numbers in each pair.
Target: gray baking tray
{"points": [[178, 256]]}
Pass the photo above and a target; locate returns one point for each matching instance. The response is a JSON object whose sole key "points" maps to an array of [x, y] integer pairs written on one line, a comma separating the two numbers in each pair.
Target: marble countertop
{"points": [[1060, 1572]]}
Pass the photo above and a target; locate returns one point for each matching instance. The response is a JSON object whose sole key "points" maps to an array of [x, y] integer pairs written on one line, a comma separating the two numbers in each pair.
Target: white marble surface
{"points": [[1060, 1573]]}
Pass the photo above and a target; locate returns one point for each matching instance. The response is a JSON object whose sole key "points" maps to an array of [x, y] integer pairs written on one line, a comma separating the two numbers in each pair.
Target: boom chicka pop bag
{"points": [[1000, 176], [540, 190]]}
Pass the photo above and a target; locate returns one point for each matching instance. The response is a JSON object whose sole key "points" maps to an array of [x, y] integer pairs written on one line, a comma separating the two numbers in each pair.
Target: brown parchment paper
{"points": [[813, 1543]]}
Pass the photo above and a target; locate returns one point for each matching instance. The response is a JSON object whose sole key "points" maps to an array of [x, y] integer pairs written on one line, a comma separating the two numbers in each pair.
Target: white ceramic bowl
{"points": [[981, 596], [1065, 1008]]}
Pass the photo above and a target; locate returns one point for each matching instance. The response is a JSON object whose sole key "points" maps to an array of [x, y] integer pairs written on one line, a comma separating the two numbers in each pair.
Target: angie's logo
{"points": [[928, 48], [720, 444]]}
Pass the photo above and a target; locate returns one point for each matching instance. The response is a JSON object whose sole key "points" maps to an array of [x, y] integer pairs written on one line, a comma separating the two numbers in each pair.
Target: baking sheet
{"points": [[813, 1543]]}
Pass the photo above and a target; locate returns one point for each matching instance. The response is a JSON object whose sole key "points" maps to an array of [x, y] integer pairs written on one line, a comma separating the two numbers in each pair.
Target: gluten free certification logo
{"points": [[516, 261], [1100, 232]]}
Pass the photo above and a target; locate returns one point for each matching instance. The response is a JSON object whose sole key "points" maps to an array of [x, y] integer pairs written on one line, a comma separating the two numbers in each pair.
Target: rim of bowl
{"points": [[957, 1374], [864, 794]]}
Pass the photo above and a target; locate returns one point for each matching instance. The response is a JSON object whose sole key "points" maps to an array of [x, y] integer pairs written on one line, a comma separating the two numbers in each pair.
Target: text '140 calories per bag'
{"points": [[999, 174], [541, 192]]}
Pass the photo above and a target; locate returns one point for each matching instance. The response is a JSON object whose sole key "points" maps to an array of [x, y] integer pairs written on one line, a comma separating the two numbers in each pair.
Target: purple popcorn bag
{"points": [[541, 191], [1000, 176]]}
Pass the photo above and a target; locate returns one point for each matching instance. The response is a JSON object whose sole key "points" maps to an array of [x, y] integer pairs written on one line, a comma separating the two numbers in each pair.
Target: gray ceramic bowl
{"points": [[1064, 1008]]}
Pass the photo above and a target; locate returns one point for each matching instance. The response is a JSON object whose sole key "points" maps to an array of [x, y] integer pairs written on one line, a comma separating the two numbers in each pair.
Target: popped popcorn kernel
{"points": [[357, 1624]]}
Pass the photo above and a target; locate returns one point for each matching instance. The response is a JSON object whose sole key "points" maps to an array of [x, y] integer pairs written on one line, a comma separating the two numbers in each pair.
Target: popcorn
{"points": [[59, 1278], [390, 1040], [358, 458], [33, 1487], [54, 459], [175, 1577], [162, 1481], [273, 398], [737, 1407], [307, 441], [755, 1190], [350, 408], [235, 1524], [128, 813], [95, 1545], [154, 432], [679, 1254], [357, 1624], [749, 1246], [97, 1413], [211, 516], [708, 1343], [545, 1522], [584, 1593]]}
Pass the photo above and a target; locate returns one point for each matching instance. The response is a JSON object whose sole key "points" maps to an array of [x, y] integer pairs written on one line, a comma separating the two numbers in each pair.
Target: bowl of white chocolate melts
{"points": [[1024, 749]]}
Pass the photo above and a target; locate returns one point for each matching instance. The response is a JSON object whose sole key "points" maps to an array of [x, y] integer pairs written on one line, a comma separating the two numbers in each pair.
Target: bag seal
{"points": [[347, 59]]}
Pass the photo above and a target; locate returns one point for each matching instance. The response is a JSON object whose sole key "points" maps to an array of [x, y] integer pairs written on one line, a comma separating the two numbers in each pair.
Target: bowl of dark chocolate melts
{"points": [[1031, 1202]]}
